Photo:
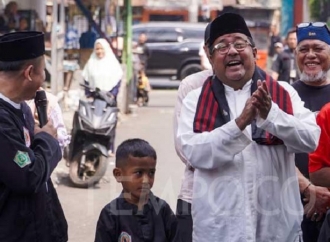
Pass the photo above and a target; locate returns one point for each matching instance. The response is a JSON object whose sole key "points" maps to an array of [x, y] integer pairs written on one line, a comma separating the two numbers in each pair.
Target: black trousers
{"points": [[324, 235], [185, 222], [310, 229], [141, 93]]}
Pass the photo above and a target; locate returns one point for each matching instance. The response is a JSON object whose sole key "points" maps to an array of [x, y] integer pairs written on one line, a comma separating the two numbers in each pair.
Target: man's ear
{"points": [[117, 173], [255, 52], [27, 72]]}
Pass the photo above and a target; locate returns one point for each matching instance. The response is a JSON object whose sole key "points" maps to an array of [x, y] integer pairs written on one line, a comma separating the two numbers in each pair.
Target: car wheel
{"points": [[189, 69]]}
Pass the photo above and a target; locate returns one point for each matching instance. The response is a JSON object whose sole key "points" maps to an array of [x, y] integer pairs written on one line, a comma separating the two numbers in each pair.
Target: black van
{"points": [[173, 47]]}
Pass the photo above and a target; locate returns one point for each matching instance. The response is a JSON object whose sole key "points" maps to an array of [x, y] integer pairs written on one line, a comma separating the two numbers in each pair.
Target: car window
{"points": [[156, 35], [193, 33], [192, 44]]}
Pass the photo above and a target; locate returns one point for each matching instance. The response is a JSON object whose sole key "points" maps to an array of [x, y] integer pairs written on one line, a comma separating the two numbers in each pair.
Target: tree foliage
{"points": [[319, 9], [314, 8]]}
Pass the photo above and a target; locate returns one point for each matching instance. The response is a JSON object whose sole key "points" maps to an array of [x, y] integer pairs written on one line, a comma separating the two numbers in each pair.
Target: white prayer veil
{"points": [[104, 73]]}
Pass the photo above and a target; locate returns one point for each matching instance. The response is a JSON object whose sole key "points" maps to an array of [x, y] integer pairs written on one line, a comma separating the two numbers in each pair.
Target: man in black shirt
{"points": [[313, 60], [273, 39], [284, 67], [29, 206]]}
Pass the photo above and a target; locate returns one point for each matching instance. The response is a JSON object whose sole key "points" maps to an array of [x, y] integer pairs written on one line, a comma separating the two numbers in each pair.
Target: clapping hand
{"points": [[259, 103], [248, 114], [262, 99]]}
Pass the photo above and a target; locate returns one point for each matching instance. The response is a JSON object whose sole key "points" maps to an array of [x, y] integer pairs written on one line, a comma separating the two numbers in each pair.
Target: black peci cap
{"points": [[207, 33], [228, 23], [20, 46]]}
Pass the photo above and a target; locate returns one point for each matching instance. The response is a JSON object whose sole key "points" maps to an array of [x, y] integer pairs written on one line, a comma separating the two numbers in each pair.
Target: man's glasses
{"points": [[315, 24], [223, 48]]}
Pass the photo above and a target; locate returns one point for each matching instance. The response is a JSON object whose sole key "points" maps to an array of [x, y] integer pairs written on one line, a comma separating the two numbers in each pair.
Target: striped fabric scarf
{"points": [[213, 110]]}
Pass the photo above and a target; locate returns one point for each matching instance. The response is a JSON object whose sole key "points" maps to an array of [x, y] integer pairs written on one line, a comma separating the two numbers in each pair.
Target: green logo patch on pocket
{"points": [[22, 159]]}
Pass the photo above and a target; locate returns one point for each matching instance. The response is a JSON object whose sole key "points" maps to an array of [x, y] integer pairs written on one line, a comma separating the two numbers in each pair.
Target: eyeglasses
{"points": [[315, 24], [223, 48]]}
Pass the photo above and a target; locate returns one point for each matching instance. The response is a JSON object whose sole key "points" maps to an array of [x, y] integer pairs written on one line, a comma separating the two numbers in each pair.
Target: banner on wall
{"points": [[287, 14]]}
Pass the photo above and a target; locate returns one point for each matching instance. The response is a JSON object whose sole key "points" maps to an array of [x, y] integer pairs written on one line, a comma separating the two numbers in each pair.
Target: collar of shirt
{"points": [[6, 99], [134, 208], [247, 86]]}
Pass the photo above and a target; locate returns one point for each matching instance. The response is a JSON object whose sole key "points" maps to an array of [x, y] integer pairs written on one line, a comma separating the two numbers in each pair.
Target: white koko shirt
{"points": [[244, 191]]}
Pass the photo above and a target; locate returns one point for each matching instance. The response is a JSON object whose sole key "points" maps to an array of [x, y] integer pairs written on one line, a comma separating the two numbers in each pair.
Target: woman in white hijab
{"points": [[103, 70]]}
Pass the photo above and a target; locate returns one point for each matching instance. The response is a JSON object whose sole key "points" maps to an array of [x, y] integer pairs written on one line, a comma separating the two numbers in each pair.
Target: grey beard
{"points": [[322, 75]]}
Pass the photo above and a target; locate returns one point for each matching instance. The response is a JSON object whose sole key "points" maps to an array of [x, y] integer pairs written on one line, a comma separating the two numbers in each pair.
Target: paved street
{"points": [[153, 123], [163, 82]]}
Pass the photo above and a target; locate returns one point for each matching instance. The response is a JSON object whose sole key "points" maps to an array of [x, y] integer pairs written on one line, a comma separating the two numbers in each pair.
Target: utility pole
{"points": [[127, 52], [306, 16], [193, 11], [57, 51]]}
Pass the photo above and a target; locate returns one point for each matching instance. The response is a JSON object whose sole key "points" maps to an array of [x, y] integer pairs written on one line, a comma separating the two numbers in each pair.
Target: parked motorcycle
{"points": [[93, 130]]}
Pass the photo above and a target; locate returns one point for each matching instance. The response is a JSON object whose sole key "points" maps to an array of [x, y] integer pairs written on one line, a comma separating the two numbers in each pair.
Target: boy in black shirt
{"points": [[136, 215]]}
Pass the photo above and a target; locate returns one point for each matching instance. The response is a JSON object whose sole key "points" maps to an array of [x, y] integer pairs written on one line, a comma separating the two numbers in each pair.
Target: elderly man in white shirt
{"points": [[240, 134], [205, 63], [188, 84]]}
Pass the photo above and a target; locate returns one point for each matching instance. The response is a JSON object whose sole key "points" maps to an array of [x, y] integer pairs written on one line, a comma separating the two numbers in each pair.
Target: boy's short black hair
{"points": [[136, 148]]}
